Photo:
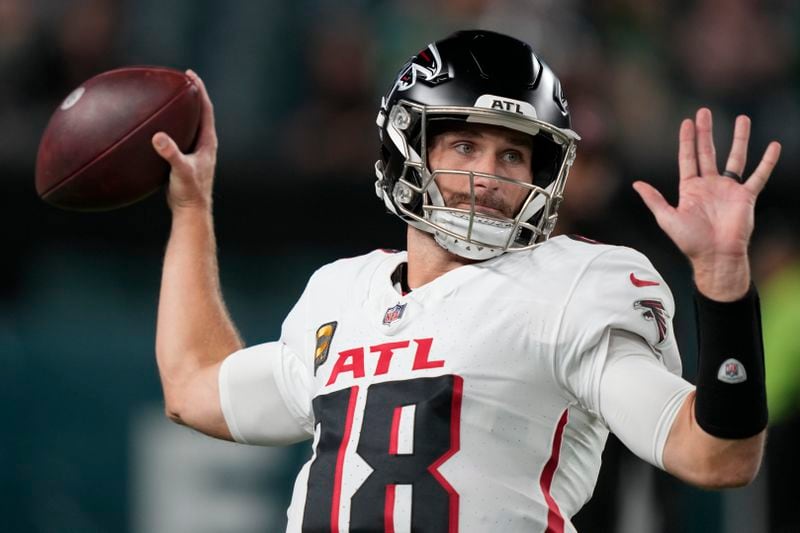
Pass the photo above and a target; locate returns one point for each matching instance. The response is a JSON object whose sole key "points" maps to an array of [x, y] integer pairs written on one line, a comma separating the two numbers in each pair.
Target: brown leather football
{"points": [[96, 153]]}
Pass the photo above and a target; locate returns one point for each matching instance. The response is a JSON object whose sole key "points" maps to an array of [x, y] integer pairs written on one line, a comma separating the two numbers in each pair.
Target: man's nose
{"points": [[487, 164]]}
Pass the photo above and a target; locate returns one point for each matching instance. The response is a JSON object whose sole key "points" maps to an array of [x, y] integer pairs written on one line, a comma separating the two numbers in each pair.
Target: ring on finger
{"points": [[732, 174]]}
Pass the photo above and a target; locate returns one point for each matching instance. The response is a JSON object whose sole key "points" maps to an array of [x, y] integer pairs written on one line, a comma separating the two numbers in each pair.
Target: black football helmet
{"points": [[475, 77]]}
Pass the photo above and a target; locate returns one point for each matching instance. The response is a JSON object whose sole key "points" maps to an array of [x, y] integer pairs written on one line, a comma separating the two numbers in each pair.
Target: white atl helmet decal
{"points": [[501, 103]]}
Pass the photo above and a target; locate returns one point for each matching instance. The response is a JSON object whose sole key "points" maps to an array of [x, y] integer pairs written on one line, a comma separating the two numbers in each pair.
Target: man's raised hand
{"points": [[713, 220]]}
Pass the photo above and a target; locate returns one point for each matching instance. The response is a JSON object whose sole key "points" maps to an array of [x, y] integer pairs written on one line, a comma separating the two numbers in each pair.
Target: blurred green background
{"points": [[296, 85]]}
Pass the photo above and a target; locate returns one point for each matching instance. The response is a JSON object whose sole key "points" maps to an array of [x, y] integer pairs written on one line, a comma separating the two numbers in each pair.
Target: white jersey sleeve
{"points": [[619, 289], [639, 398], [252, 385], [266, 389], [620, 359]]}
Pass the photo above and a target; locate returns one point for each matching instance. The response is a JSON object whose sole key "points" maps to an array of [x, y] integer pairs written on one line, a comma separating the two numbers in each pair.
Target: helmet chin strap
{"points": [[490, 233]]}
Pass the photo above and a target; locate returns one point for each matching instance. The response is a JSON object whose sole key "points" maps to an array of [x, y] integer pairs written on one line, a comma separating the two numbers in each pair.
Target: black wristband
{"points": [[731, 398]]}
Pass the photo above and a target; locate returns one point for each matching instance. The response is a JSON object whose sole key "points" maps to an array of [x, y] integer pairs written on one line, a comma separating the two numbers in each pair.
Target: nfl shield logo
{"points": [[732, 371], [393, 313]]}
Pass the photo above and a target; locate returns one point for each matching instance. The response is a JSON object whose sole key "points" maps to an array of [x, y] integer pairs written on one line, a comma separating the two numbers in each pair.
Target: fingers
{"points": [[755, 183], [655, 202], [687, 151], [166, 148], [207, 138], [738, 155], [706, 154]]}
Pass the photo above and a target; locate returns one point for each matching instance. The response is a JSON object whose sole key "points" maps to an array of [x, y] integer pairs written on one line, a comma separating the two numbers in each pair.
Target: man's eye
{"points": [[512, 157], [464, 148]]}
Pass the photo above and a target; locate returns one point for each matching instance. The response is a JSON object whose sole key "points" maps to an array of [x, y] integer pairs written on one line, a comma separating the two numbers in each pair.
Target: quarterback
{"points": [[469, 382]]}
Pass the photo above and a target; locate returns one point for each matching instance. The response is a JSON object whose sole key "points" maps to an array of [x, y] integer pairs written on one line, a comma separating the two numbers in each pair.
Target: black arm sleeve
{"points": [[731, 394]]}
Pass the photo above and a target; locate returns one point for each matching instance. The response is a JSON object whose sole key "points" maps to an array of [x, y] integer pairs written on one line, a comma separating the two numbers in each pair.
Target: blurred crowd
{"points": [[296, 84], [289, 78], [296, 87]]}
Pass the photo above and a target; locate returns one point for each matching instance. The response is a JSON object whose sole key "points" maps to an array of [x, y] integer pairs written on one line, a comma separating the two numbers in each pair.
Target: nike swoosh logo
{"points": [[642, 282]]}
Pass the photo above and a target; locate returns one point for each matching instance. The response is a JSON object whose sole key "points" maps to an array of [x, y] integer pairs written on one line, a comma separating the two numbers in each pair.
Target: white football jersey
{"points": [[469, 404]]}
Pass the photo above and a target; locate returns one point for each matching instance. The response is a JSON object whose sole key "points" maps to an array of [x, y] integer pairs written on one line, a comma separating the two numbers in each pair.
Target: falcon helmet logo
{"points": [[427, 64], [324, 337], [653, 310], [393, 314]]}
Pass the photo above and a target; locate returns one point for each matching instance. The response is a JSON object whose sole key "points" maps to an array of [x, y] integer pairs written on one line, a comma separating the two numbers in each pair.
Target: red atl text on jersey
{"points": [[352, 360]]}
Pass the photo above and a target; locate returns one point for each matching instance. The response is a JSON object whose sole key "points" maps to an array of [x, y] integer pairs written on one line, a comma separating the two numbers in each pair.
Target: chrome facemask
{"points": [[467, 232]]}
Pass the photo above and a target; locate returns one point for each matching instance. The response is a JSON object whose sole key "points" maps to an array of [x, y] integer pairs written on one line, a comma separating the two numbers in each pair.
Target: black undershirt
{"points": [[400, 278]]}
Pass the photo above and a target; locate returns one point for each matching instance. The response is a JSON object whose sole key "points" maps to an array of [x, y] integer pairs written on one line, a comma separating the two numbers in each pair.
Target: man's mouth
{"points": [[486, 203], [483, 209]]}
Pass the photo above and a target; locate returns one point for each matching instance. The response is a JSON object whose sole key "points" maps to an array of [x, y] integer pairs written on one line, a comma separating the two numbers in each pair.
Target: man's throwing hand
{"points": [[192, 175]]}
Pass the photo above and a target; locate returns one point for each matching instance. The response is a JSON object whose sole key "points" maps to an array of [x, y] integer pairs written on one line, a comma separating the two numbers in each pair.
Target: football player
{"points": [[469, 383]]}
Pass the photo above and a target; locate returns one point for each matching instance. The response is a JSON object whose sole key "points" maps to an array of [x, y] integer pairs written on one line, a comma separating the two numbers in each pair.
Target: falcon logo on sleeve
{"points": [[324, 337], [653, 310]]}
